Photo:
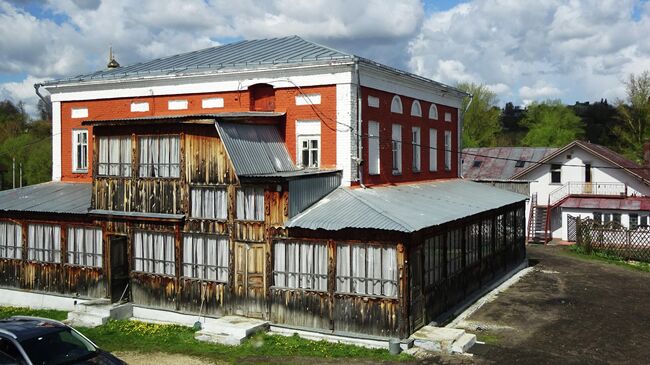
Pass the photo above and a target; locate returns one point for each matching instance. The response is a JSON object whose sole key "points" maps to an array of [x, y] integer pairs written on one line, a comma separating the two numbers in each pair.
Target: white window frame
{"points": [[448, 148], [85, 246], [396, 144], [373, 101], [300, 265], [11, 240], [448, 117], [79, 151], [433, 150], [416, 109], [372, 278], [374, 151], [217, 210], [433, 112], [212, 103], [139, 106], [556, 167], [254, 210], [177, 104], [206, 257], [308, 131], [107, 164], [416, 144], [157, 165], [154, 253], [396, 105], [78, 113], [44, 243], [308, 99]]}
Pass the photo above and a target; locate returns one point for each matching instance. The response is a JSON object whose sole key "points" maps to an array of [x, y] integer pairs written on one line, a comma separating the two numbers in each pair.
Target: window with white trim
{"points": [[396, 105], [448, 150], [308, 143], [417, 150], [447, 117], [396, 143], [209, 202], [85, 246], [11, 241], [160, 156], [153, 252], [373, 148], [79, 150], [373, 101], [416, 109], [250, 203], [366, 269], [114, 156], [433, 112], [206, 257], [433, 150], [300, 265], [556, 173], [44, 243]]}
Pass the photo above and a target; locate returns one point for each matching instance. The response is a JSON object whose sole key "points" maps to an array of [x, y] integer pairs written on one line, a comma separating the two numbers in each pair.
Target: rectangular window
{"points": [[433, 150], [250, 204], [634, 221], [373, 148], [556, 174], [11, 241], [177, 104], [300, 265], [209, 203], [139, 107], [153, 252], [607, 217], [206, 257], [365, 269], [598, 217], [79, 150], [85, 246], [160, 156], [417, 151], [309, 151], [644, 221], [396, 142], [454, 252], [616, 217], [212, 103], [448, 150], [308, 99], [79, 113], [44, 243], [433, 260], [373, 101], [447, 117], [114, 156]]}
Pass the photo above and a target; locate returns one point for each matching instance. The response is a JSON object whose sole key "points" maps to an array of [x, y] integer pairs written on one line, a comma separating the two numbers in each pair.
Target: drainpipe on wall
{"points": [[359, 159], [37, 87]]}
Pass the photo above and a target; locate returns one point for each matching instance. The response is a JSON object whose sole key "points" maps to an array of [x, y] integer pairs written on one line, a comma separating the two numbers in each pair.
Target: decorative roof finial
{"points": [[111, 60]]}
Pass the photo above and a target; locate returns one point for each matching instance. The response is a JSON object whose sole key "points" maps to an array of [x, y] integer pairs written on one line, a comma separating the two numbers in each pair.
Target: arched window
{"points": [[416, 109], [396, 105], [433, 112]]}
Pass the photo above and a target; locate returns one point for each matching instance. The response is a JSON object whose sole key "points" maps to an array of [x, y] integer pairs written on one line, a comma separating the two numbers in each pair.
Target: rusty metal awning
{"points": [[184, 118]]}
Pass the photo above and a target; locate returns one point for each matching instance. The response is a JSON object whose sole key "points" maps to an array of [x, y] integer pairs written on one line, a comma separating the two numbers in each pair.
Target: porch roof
{"points": [[633, 203], [403, 208], [49, 197]]}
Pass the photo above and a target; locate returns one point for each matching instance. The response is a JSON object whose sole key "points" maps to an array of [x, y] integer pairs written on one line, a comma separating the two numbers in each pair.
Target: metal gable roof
{"points": [[402, 208], [255, 149], [243, 54], [499, 163], [50, 197]]}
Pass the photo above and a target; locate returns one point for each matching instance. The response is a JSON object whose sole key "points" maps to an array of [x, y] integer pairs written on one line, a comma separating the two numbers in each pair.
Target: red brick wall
{"points": [[233, 101], [386, 119]]}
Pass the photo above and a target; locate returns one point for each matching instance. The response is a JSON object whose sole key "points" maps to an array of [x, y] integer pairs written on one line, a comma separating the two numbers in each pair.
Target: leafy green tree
{"points": [[481, 124], [634, 114], [551, 124]]}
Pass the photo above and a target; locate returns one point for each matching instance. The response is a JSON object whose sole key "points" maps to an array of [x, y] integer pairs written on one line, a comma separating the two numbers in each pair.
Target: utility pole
{"points": [[21, 175], [13, 172]]}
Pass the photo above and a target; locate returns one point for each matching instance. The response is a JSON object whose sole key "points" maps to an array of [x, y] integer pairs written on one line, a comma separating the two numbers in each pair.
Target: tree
{"points": [[634, 113], [599, 119], [481, 124], [551, 124]]}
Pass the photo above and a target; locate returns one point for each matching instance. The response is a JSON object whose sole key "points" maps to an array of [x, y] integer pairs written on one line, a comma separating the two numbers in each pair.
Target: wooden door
{"points": [[250, 266], [119, 274]]}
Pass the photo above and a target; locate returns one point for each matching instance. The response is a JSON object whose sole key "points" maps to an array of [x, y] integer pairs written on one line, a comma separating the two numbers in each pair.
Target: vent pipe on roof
{"points": [[111, 60]]}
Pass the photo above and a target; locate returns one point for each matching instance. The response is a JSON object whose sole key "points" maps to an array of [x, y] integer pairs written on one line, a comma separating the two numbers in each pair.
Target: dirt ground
{"points": [[159, 358], [567, 311]]}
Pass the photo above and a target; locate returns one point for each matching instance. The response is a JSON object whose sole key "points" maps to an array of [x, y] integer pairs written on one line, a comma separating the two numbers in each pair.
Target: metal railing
{"points": [[585, 188]]}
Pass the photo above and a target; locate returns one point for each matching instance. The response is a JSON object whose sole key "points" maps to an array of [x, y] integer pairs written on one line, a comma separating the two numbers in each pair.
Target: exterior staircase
{"points": [[537, 221]]}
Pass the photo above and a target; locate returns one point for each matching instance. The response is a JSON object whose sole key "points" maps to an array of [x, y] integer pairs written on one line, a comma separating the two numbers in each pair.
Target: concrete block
{"points": [[235, 326], [436, 338], [464, 343], [83, 319]]}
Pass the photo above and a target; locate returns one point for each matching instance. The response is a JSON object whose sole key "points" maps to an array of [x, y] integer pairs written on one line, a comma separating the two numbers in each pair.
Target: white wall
{"points": [[589, 213]]}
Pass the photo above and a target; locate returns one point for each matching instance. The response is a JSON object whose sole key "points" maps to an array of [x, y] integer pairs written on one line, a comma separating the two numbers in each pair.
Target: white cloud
{"points": [[21, 91], [539, 91]]}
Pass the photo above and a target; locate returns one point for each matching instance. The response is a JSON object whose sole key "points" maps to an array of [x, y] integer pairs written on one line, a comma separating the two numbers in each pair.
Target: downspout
{"points": [[460, 136], [359, 126], [37, 87]]}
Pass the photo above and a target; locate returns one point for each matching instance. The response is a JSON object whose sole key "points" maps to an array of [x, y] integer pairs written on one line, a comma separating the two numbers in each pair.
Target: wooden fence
{"points": [[629, 244]]}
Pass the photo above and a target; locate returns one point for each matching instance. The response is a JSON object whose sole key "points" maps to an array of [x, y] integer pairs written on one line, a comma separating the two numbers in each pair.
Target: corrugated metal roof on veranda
{"points": [[255, 149], [50, 197], [403, 208], [500, 163], [243, 54]]}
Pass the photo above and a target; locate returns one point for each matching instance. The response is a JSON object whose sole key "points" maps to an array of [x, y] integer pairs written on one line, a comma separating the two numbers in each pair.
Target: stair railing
{"points": [[532, 216]]}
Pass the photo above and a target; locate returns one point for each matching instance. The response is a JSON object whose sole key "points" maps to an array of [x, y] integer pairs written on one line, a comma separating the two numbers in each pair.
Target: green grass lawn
{"points": [[577, 251], [147, 337]]}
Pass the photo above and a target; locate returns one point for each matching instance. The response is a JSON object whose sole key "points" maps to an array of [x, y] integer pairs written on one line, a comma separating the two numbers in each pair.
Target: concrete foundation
{"points": [[95, 313], [21, 298]]}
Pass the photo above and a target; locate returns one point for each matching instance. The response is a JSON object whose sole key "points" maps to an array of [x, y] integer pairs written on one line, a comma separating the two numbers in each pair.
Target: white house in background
{"points": [[581, 179]]}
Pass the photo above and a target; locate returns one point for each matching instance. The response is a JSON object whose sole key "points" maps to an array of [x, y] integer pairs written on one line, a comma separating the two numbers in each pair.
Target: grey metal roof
{"points": [[243, 54], [403, 208], [255, 149], [116, 213], [192, 118], [50, 197], [500, 163]]}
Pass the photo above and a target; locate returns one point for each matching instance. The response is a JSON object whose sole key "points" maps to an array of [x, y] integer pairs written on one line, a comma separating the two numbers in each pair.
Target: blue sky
{"points": [[580, 50]]}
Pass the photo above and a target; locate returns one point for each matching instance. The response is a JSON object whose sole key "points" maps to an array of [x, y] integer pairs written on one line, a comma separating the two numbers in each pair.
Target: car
{"points": [[41, 341]]}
